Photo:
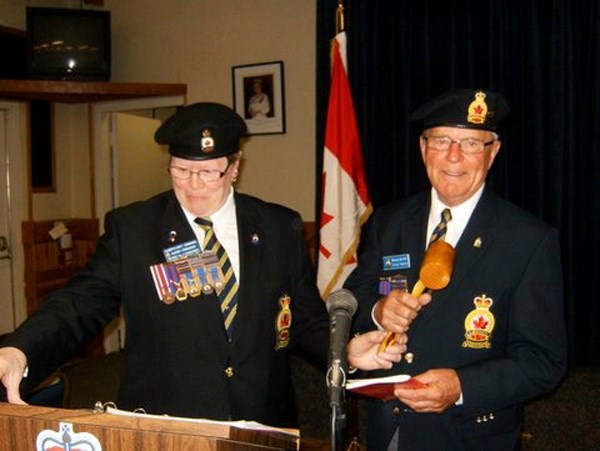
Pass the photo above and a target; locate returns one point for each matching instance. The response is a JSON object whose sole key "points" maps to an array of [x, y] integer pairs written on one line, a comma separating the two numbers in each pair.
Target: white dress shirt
{"points": [[225, 227], [460, 216]]}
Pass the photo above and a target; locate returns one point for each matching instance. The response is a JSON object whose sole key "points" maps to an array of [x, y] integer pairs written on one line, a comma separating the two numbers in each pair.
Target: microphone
{"points": [[341, 305]]}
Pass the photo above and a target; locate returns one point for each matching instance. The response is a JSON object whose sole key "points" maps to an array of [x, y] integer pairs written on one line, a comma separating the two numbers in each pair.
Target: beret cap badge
{"points": [[207, 143], [477, 109], [202, 131]]}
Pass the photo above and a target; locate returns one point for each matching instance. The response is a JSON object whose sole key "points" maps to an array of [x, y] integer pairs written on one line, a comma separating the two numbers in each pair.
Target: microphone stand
{"points": [[336, 381]]}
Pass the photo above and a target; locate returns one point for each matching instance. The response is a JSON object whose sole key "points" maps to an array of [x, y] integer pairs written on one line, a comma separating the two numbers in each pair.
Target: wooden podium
{"points": [[21, 425]]}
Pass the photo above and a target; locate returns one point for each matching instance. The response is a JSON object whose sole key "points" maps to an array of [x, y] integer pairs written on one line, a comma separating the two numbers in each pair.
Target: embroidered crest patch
{"points": [[283, 323], [479, 324]]}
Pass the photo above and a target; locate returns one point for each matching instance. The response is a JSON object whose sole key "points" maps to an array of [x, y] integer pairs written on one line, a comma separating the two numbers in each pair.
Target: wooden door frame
{"points": [[101, 145], [19, 203]]}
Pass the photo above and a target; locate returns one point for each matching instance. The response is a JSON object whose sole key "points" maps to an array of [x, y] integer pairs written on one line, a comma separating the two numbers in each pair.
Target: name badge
{"points": [[396, 262], [181, 251]]}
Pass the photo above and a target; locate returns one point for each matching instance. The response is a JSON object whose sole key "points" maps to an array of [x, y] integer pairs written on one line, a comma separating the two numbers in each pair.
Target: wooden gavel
{"points": [[435, 274]]}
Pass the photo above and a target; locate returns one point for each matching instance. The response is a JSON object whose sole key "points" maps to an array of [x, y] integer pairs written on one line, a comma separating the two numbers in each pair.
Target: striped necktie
{"points": [[228, 292], [439, 233]]}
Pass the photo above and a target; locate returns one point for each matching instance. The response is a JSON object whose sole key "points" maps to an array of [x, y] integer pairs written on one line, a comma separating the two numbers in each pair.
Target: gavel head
{"points": [[437, 266]]}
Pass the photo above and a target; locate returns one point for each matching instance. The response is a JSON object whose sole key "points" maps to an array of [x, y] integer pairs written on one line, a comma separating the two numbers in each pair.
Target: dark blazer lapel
{"points": [[174, 228], [474, 241], [413, 231], [250, 235]]}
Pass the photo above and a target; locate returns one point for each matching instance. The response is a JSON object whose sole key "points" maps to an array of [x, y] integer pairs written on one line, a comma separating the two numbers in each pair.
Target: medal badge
{"points": [[206, 287], [190, 281], [188, 272], [214, 275], [479, 324], [283, 322], [165, 282], [395, 282]]}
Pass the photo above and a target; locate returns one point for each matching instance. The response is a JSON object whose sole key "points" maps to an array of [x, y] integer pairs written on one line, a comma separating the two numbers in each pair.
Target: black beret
{"points": [[202, 131], [467, 108]]}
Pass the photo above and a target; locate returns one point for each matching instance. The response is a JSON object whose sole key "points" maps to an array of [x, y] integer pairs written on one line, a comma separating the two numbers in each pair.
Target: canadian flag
{"points": [[346, 205]]}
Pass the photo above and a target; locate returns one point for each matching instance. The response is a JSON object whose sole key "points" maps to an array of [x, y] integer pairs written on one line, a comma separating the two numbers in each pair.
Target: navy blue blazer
{"points": [[178, 360], [507, 353]]}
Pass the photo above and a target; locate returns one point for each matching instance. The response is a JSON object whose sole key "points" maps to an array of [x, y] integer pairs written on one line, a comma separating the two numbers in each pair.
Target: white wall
{"points": [[142, 164], [73, 197], [12, 13], [198, 42]]}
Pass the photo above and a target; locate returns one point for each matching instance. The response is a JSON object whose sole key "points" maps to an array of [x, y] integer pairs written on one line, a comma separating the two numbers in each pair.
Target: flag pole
{"points": [[339, 27], [345, 198], [338, 414], [339, 17]]}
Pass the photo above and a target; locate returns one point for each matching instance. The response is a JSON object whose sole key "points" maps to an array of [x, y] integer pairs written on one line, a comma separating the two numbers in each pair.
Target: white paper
{"points": [[395, 379], [241, 424], [58, 230]]}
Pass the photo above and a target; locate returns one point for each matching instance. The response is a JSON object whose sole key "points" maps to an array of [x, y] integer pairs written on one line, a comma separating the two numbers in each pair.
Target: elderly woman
{"points": [[216, 288]]}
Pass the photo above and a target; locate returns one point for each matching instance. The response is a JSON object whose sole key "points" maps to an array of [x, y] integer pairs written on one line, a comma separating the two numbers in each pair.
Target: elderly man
{"points": [[494, 337]]}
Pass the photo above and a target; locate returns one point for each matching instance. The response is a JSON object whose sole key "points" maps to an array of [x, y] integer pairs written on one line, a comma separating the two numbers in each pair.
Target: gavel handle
{"points": [[390, 337]]}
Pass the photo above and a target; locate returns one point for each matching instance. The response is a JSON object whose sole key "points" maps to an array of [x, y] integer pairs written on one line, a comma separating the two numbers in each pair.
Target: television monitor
{"points": [[68, 44]]}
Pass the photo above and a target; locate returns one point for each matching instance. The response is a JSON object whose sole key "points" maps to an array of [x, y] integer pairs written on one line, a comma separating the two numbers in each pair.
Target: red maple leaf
{"points": [[325, 218], [480, 323]]}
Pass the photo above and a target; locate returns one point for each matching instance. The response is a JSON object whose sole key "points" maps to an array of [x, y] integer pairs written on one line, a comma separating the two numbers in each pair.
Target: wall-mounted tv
{"points": [[68, 44]]}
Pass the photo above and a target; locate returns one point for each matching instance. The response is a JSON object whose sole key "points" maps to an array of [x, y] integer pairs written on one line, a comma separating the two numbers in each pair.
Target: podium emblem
{"points": [[65, 439]]}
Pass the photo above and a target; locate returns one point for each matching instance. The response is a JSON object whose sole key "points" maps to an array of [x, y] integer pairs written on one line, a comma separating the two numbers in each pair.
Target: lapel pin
{"points": [[172, 236], [254, 239], [477, 242]]}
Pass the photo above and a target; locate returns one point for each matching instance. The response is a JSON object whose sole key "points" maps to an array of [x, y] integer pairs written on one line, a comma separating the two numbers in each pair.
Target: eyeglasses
{"points": [[467, 146], [207, 176]]}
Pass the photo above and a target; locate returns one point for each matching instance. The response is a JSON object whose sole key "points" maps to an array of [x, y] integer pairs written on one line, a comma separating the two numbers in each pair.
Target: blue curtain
{"points": [[544, 55]]}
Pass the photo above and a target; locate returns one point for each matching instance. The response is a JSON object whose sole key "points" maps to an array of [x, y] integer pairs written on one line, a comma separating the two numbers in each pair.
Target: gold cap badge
{"points": [[207, 143], [477, 109]]}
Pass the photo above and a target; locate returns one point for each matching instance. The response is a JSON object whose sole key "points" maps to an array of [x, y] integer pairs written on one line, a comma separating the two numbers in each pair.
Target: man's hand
{"points": [[443, 390], [12, 366], [362, 351], [397, 310]]}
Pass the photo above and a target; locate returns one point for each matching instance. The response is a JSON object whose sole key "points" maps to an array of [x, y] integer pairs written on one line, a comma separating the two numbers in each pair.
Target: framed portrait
{"points": [[258, 97]]}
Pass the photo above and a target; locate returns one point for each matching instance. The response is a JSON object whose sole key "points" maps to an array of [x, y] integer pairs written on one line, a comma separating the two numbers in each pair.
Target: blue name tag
{"points": [[395, 262], [181, 250]]}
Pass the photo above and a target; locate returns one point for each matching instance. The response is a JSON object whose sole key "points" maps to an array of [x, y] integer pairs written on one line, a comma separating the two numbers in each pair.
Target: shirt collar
{"points": [[225, 214], [460, 215], [220, 218]]}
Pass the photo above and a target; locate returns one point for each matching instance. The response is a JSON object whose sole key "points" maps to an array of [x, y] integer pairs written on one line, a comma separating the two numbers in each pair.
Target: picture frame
{"points": [[259, 97]]}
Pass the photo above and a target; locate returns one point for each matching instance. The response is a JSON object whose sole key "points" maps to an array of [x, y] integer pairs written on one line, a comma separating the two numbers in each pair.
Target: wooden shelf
{"points": [[43, 271], [84, 91]]}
